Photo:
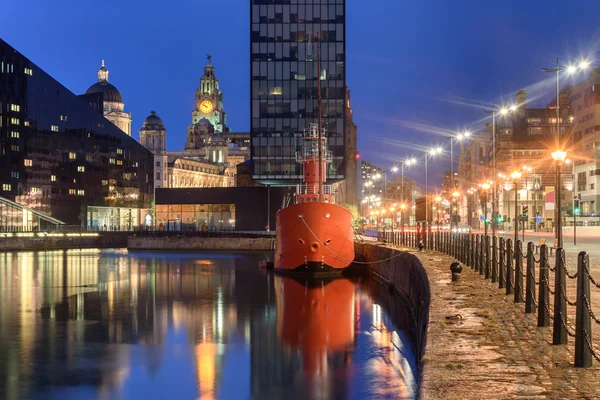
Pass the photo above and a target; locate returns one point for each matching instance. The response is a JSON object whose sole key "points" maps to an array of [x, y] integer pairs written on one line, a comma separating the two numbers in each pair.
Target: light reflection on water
{"points": [[110, 324]]}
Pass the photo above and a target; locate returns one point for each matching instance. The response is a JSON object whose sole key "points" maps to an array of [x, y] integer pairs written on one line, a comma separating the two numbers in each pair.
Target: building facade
{"points": [[372, 180], [283, 84], [584, 100], [113, 107], [153, 136], [62, 158], [351, 157]]}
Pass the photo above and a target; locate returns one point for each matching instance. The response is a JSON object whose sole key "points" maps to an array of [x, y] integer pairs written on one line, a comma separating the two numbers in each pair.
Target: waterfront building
{"points": [[283, 84], [373, 180], [63, 159], [113, 107]]}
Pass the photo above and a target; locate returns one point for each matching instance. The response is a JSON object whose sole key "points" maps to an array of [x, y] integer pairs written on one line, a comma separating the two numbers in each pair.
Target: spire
{"points": [[102, 73]]}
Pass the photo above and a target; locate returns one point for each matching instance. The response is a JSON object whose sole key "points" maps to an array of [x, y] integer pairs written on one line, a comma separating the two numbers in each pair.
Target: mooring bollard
{"points": [[501, 269], [559, 332], [421, 245], [456, 269], [583, 323], [544, 292]]}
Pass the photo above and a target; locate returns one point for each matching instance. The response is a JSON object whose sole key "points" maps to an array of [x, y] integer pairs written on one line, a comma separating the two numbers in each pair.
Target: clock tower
{"points": [[209, 105]]}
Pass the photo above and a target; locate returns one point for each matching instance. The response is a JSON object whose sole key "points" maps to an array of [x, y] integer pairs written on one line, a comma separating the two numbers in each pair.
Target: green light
{"points": [[499, 219], [576, 210]]}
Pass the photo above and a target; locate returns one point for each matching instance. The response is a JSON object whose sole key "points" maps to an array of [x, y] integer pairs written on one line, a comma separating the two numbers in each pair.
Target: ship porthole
{"points": [[301, 242], [327, 242], [327, 215]]}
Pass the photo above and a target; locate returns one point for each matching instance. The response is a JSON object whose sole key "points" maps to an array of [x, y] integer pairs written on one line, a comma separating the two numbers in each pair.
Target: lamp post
{"points": [[559, 157], [516, 175], [455, 195], [407, 162], [403, 209], [438, 200], [458, 138], [431, 152], [485, 186]]}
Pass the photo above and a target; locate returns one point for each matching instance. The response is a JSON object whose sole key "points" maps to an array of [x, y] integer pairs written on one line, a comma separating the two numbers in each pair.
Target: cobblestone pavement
{"points": [[483, 346]]}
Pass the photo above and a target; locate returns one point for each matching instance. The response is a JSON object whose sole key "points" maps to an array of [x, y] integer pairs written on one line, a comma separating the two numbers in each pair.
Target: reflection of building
{"points": [[60, 157], [284, 80], [113, 108]]}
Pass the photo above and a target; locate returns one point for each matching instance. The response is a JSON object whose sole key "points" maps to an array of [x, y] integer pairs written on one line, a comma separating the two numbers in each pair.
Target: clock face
{"points": [[206, 106]]}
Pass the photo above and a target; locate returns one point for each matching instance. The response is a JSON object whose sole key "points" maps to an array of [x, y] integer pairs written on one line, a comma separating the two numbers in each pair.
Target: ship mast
{"points": [[319, 117]]}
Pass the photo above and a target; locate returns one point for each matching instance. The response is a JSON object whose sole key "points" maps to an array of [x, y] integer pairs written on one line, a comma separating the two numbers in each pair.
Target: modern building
{"points": [[285, 40], [61, 158], [584, 100], [351, 157], [373, 180], [113, 107]]}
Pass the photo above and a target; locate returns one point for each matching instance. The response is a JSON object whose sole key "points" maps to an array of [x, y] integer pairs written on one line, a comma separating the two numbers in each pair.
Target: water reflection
{"points": [[111, 324]]}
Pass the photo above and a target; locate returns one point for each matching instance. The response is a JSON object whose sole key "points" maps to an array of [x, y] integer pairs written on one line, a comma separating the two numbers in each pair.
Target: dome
{"points": [[110, 92], [153, 122]]}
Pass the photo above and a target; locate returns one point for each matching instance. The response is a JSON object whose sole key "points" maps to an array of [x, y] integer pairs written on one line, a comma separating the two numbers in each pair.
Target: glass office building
{"points": [[284, 36], [59, 156]]}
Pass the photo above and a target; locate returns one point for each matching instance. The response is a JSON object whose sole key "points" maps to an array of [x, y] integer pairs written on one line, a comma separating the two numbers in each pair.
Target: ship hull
{"points": [[314, 239]]}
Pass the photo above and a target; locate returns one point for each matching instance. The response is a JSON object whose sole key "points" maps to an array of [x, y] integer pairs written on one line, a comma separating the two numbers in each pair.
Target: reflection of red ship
{"points": [[314, 235], [315, 319]]}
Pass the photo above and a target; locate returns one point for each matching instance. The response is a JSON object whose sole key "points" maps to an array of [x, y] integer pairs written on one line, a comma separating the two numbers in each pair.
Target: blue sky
{"points": [[415, 69]]}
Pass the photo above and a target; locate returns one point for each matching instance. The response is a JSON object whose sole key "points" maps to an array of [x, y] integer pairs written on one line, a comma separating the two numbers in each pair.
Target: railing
{"points": [[312, 189], [306, 153], [514, 271]]}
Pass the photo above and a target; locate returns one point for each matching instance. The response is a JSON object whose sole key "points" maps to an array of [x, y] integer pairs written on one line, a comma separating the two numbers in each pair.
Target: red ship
{"points": [[314, 235]]}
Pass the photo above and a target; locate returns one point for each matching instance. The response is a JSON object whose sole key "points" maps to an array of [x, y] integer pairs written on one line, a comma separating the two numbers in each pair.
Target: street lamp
{"points": [[485, 186], [516, 175], [559, 157], [429, 153], [455, 195]]}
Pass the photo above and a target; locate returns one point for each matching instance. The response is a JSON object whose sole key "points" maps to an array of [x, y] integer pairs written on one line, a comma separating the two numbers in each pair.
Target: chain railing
{"points": [[505, 263]]}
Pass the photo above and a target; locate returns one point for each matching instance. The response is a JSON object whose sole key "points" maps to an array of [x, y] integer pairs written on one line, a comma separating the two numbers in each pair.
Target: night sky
{"points": [[416, 69]]}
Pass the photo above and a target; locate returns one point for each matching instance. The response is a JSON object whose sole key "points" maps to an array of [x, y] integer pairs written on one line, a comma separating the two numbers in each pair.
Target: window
{"points": [[15, 121], [53, 178], [15, 107], [14, 134], [35, 190], [119, 151], [28, 163], [135, 164], [111, 161], [592, 186], [104, 182], [80, 192], [26, 123], [88, 157], [14, 147], [158, 176], [72, 156], [54, 128], [28, 71], [158, 163], [63, 117], [80, 168], [119, 162], [6, 187], [14, 174], [72, 191]]}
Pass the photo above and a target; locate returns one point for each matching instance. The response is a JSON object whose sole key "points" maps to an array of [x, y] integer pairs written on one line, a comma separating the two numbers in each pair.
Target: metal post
{"points": [[485, 224], [426, 195], [530, 281], [476, 259], [481, 255], [494, 259], [583, 323], [516, 224], [544, 295], [501, 261], [559, 335], [558, 196], [472, 246], [487, 257], [509, 269], [494, 165], [518, 298]]}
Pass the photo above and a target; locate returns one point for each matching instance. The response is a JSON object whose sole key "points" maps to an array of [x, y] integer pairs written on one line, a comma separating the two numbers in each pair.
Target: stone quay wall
{"points": [[191, 243], [403, 272], [64, 242]]}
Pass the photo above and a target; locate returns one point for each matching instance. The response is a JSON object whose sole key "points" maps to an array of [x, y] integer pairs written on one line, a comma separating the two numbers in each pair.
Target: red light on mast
{"points": [[357, 155]]}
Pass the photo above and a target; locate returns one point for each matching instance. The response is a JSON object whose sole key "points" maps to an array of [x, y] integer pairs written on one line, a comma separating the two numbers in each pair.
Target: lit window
{"points": [[15, 107], [28, 71], [88, 157], [111, 161], [80, 192], [63, 117], [119, 162], [26, 123], [54, 128], [80, 168], [35, 190], [104, 182], [135, 164], [28, 163], [15, 121], [14, 134], [119, 151], [14, 147], [72, 156], [72, 191], [6, 187], [53, 178], [14, 174]]}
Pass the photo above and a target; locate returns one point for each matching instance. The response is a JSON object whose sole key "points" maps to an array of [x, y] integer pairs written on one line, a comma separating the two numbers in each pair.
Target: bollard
{"points": [[476, 260], [530, 281], [421, 246], [559, 332], [494, 259], [509, 263], [456, 269], [544, 294], [472, 256], [481, 255], [583, 323], [487, 257], [518, 272], [501, 267]]}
